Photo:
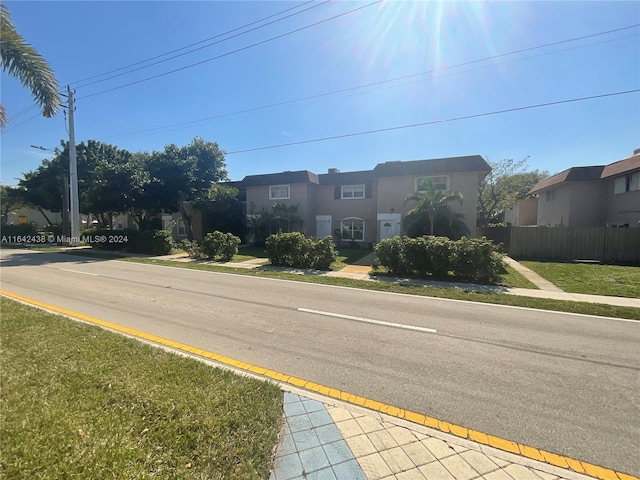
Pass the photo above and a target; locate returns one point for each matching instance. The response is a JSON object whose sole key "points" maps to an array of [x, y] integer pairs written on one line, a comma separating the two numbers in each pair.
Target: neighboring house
{"points": [[32, 215], [523, 213], [364, 206], [595, 196]]}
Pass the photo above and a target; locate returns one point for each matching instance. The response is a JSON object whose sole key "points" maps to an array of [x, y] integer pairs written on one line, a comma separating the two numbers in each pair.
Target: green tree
{"points": [[21, 60], [508, 182], [223, 211], [43, 187], [10, 199], [432, 214], [107, 179], [179, 176]]}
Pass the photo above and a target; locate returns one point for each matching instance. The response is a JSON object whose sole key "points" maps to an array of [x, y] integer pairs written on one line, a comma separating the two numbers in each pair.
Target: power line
{"points": [[381, 82], [202, 47], [262, 42], [466, 117]]}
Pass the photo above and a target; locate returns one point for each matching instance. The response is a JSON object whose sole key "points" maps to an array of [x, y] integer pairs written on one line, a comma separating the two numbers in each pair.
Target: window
{"points": [[352, 229], [550, 195], [441, 182], [627, 183], [352, 191], [182, 228], [278, 192]]}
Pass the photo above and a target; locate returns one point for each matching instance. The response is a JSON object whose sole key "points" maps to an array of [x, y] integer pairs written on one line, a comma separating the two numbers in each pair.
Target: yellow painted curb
{"points": [[414, 417]]}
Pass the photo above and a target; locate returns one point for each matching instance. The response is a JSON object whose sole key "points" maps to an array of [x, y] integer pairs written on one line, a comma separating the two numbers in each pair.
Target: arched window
{"points": [[352, 228]]}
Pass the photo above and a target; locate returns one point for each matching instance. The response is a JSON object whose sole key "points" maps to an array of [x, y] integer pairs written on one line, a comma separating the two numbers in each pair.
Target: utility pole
{"points": [[73, 177]]}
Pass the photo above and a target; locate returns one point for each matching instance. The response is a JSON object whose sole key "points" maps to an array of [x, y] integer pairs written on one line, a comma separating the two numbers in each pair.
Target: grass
{"points": [[81, 402], [511, 279], [425, 291], [514, 279], [595, 279]]}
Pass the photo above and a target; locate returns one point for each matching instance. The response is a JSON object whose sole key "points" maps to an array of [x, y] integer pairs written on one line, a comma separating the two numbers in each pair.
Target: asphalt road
{"points": [[566, 383]]}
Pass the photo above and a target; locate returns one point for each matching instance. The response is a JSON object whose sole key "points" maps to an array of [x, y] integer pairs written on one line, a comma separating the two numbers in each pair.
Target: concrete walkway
{"points": [[324, 439], [361, 270]]}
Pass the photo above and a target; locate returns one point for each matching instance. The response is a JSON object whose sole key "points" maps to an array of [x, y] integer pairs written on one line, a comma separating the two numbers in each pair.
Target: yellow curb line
{"points": [[414, 417]]}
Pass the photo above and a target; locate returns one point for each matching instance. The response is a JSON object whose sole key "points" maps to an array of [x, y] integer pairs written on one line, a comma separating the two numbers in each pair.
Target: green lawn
{"points": [[346, 256], [80, 402], [595, 279]]}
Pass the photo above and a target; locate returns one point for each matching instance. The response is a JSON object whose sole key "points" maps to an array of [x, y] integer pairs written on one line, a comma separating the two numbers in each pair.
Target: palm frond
{"points": [[21, 60]]}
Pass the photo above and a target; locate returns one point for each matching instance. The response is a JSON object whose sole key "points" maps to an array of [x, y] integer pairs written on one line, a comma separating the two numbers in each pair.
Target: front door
{"points": [[389, 225], [323, 226]]}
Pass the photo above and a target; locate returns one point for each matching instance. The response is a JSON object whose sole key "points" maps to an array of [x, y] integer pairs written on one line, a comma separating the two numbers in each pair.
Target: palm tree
{"points": [[21, 60], [433, 210]]}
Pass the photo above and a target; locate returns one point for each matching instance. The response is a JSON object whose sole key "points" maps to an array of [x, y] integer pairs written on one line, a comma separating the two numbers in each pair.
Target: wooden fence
{"points": [[616, 245]]}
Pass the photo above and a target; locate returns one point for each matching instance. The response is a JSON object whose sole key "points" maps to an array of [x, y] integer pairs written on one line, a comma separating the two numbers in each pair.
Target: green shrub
{"points": [[18, 230], [220, 245], [151, 242], [193, 248], [390, 255], [295, 250], [323, 253], [113, 240], [474, 259], [477, 259], [439, 250]]}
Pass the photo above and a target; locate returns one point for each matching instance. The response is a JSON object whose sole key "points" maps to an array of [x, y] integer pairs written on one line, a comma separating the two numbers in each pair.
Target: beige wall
{"points": [[586, 208], [621, 208], [339, 209], [554, 212], [300, 194], [523, 213], [393, 190]]}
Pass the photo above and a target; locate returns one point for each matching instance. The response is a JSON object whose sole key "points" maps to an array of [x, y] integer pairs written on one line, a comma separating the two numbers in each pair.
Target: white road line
{"points": [[369, 320], [78, 271]]}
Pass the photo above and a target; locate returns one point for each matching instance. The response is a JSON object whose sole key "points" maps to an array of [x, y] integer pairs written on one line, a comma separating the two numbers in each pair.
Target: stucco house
{"points": [[364, 206], [593, 196]]}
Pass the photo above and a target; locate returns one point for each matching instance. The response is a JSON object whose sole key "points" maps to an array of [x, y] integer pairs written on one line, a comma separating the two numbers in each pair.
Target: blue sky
{"points": [[377, 43]]}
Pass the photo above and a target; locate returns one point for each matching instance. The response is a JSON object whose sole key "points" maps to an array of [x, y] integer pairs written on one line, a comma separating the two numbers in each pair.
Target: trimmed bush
{"points": [[19, 230], [297, 251], [390, 254], [113, 240], [191, 247], [475, 259], [152, 242], [218, 245], [323, 253]]}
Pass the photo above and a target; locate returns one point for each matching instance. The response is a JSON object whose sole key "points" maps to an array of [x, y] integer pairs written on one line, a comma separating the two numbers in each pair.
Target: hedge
{"points": [[297, 251], [473, 259], [218, 245]]}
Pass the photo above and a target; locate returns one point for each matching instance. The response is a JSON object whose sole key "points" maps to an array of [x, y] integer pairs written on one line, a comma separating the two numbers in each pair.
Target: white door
{"points": [[389, 225], [323, 226]]}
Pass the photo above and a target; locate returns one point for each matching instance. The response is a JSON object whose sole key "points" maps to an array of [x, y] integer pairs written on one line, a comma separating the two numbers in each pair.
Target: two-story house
{"points": [[593, 196], [365, 206]]}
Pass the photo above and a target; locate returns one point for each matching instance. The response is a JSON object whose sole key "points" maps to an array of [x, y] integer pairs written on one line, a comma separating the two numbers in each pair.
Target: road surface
{"points": [[566, 383]]}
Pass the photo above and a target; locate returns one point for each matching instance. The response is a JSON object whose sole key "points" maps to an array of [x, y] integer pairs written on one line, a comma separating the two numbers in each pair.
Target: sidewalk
{"points": [[360, 271], [324, 439]]}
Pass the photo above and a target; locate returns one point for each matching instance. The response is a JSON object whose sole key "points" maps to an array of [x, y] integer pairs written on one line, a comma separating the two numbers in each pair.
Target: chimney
{"points": [[636, 151], [333, 170]]}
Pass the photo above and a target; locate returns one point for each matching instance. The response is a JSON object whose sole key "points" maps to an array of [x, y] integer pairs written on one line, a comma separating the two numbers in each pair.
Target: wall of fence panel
{"points": [[620, 245]]}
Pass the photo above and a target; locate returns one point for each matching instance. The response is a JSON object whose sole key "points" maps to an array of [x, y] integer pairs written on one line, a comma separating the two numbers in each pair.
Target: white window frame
{"points": [[272, 189], [627, 183], [352, 189], [349, 222], [447, 182], [181, 228]]}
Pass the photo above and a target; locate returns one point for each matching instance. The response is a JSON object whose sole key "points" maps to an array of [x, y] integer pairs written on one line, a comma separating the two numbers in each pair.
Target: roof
{"points": [[573, 174], [435, 166], [346, 178], [300, 176], [622, 166]]}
